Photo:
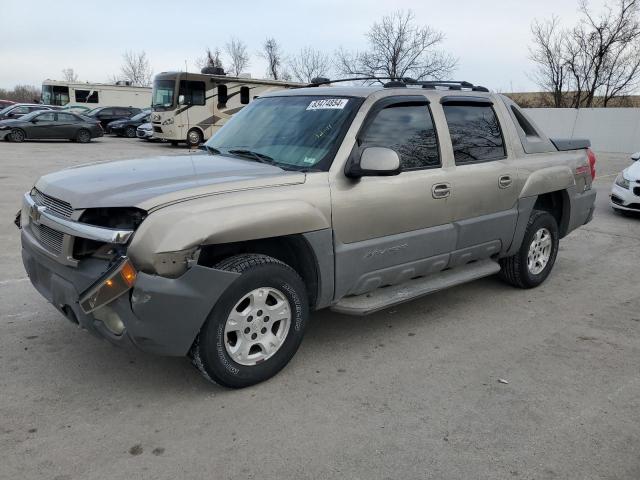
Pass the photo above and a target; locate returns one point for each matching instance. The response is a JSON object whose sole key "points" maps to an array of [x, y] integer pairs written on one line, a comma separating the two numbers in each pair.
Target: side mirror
{"points": [[375, 161], [181, 100], [635, 157]]}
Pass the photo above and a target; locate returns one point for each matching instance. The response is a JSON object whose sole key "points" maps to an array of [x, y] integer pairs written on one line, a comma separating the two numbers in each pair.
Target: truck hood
{"points": [[151, 182]]}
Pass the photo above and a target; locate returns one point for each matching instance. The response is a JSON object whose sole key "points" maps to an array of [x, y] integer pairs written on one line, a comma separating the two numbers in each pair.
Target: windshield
{"points": [[5, 109], [163, 93], [93, 111], [28, 116], [139, 116], [296, 132]]}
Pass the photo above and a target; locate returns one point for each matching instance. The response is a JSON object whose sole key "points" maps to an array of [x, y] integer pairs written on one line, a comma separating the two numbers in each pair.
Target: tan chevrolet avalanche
{"points": [[353, 199]]}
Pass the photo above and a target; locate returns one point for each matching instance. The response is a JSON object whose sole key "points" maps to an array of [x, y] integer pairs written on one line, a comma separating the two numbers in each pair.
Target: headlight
{"points": [[622, 181], [117, 282], [168, 121]]}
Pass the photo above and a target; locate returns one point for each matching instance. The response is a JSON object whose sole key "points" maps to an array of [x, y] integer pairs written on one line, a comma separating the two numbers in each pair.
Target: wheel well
{"points": [[197, 129], [557, 204], [293, 250]]}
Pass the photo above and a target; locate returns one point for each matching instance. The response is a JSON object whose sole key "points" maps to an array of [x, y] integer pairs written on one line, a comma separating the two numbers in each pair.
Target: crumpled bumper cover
{"points": [[160, 315]]}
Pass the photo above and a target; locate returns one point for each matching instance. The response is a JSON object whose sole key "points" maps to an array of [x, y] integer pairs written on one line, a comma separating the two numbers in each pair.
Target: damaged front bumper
{"points": [[157, 314]]}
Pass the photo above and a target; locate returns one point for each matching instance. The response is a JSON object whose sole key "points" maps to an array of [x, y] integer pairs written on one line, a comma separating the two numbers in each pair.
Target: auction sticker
{"points": [[328, 103]]}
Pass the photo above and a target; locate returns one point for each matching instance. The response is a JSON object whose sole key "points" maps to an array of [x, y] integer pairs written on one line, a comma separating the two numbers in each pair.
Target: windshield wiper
{"points": [[212, 150], [260, 157]]}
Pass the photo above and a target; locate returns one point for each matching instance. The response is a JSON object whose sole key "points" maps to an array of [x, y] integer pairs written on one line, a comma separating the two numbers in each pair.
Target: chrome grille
{"points": [[53, 205], [48, 237]]}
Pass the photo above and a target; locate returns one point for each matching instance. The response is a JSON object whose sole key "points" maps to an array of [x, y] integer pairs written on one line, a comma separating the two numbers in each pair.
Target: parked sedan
{"points": [[625, 194], [50, 125], [127, 127], [107, 115], [145, 131], [19, 109]]}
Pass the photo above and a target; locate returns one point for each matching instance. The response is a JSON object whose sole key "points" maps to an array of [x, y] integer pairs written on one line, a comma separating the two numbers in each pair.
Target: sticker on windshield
{"points": [[328, 103]]}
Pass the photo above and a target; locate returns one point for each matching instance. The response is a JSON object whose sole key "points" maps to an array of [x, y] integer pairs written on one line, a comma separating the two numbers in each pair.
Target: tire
{"points": [[17, 135], [517, 270], [236, 322], [83, 136], [130, 132], [194, 138]]}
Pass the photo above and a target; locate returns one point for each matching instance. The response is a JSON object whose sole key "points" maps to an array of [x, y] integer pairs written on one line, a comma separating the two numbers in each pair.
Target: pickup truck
{"points": [[349, 198]]}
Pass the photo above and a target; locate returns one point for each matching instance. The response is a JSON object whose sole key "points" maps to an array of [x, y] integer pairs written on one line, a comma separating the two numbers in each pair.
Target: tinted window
{"points": [[475, 133], [86, 96], [193, 92], [66, 117], [105, 112], [408, 129], [21, 110], [46, 117], [122, 112]]}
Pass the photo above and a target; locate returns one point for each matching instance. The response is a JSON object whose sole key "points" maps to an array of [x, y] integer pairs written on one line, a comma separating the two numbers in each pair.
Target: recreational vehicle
{"points": [[190, 107], [93, 95]]}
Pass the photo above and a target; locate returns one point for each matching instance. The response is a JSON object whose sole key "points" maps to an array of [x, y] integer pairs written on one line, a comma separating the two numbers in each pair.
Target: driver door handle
{"points": [[505, 181], [441, 190]]}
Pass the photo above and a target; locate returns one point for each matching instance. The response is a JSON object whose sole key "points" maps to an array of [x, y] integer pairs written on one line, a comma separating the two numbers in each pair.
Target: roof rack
{"points": [[395, 82]]}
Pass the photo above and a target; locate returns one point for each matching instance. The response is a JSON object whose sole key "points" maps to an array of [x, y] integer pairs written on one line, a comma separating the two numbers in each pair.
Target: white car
{"points": [[145, 131], [625, 194]]}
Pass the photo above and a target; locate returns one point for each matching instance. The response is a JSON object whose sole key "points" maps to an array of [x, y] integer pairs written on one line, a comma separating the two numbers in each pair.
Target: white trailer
{"points": [[92, 95], [190, 107]]}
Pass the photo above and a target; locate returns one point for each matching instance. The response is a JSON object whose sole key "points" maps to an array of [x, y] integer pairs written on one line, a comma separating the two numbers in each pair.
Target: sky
{"points": [[39, 38]]}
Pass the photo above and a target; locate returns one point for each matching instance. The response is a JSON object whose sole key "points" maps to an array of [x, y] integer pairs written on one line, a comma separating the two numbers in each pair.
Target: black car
{"points": [[128, 126], [50, 125], [17, 110], [108, 114]]}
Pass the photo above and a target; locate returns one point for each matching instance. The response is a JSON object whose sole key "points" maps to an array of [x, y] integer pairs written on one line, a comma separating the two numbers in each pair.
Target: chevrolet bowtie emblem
{"points": [[35, 212]]}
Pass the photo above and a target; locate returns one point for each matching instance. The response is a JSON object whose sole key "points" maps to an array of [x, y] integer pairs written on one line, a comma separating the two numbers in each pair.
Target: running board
{"points": [[382, 298]]}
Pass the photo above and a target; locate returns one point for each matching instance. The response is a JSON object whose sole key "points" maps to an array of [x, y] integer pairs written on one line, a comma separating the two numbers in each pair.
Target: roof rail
{"points": [[395, 82]]}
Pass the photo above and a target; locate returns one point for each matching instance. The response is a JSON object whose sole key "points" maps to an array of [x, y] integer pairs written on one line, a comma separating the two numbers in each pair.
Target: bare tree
{"points": [[309, 63], [22, 93], [211, 59], [237, 51], [399, 48], [551, 73], [272, 53], [69, 75], [136, 68], [597, 59]]}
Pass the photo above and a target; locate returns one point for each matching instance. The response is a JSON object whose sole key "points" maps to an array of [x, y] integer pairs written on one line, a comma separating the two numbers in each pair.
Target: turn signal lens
{"points": [[117, 282], [128, 273]]}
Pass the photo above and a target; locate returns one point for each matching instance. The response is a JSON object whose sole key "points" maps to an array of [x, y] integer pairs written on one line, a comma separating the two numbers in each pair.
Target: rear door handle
{"points": [[441, 190], [505, 181]]}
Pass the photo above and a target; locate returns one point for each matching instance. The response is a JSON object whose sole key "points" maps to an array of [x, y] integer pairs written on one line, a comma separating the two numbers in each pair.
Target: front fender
{"points": [[180, 227], [545, 180]]}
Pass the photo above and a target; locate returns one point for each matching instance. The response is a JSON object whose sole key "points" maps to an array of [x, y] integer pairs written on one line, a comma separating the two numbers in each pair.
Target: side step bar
{"points": [[382, 298]]}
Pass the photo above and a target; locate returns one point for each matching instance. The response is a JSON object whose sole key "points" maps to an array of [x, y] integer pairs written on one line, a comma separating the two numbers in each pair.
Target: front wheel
{"points": [[532, 264], [17, 135], [130, 132], [194, 138], [256, 326]]}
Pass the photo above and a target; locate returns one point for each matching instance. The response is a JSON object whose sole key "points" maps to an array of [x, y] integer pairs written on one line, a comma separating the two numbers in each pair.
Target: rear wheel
{"points": [[130, 132], [256, 326], [532, 264], [83, 136], [17, 135], [194, 137]]}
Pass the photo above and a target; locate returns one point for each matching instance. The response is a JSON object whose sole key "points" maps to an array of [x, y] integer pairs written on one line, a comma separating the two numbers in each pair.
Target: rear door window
{"points": [[47, 117], [407, 128], [475, 133], [67, 118]]}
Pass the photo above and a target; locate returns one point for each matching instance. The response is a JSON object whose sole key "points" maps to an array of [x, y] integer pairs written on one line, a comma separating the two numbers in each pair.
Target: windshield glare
{"points": [[163, 93], [5, 109], [140, 116], [295, 131]]}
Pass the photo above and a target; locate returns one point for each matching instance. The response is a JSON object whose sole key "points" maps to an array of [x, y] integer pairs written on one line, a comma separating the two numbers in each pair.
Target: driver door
{"points": [[43, 126], [389, 229]]}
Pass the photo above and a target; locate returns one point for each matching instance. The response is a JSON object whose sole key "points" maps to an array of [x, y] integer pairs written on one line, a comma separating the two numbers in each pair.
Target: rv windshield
{"points": [[163, 93], [294, 132]]}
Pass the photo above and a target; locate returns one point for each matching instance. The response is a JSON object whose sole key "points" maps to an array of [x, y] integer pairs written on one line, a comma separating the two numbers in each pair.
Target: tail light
{"points": [[592, 163]]}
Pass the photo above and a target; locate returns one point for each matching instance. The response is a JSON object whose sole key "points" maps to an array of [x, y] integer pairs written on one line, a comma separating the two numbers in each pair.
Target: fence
{"points": [[615, 130]]}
